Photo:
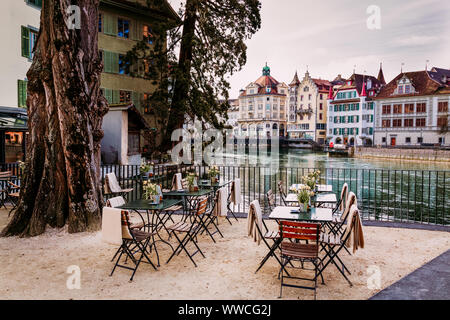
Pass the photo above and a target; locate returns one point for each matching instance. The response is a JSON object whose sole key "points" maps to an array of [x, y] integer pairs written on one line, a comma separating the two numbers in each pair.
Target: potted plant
{"points": [[146, 169], [304, 196], [214, 174], [151, 192], [192, 181]]}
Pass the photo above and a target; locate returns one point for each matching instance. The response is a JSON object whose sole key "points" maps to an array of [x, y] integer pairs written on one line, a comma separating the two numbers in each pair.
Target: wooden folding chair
{"points": [[134, 242], [212, 219], [232, 189], [190, 231], [302, 252], [282, 193], [13, 195]]}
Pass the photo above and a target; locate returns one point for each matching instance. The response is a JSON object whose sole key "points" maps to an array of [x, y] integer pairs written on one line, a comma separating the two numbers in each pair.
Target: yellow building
{"points": [[308, 109], [122, 24], [262, 107]]}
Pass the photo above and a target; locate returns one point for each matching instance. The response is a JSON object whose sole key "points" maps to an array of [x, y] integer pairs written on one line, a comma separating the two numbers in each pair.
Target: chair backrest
{"points": [[344, 195], [299, 230], [281, 190], [115, 202], [351, 200], [126, 233], [202, 206], [270, 199], [5, 174], [112, 183]]}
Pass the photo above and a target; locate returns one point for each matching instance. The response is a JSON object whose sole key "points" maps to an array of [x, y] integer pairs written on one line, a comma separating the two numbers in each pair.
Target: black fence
{"points": [[415, 196]]}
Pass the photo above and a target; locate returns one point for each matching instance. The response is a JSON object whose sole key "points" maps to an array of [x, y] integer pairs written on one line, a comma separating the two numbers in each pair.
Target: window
{"points": [[400, 89], [37, 3], [397, 123], [29, 39], [408, 140], [443, 106], [148, 35], [409, 123], [123, 28], [309, 97], [22, 93], [133, 142], [321, 97], [420, 122], [386, 123], [301, 98], [397, 108], [125, 96], [100, 23], [320, 116], [407, 88], [442, 121], [386, 109], [383, 139], [321, 106], [124, 66], [409, 108], [419, 140], [421, 107]]}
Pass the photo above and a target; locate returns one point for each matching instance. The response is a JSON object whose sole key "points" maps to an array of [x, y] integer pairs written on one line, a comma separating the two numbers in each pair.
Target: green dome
{"points": [[266, 71]]}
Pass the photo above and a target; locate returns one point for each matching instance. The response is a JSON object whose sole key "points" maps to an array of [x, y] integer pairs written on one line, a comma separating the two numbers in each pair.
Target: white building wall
{"points": [[13, 15]]}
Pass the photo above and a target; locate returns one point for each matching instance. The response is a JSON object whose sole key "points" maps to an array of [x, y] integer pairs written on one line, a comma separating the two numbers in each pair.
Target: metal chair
{"points": [[134, 242], [190, 231]]}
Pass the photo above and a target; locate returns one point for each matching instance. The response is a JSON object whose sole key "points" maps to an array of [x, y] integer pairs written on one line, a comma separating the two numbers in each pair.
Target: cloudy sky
{"points": [[332, 37]]}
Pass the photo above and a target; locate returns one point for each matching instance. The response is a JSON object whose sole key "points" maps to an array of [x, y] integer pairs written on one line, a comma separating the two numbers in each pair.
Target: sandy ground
{"points": [[36, 268]]}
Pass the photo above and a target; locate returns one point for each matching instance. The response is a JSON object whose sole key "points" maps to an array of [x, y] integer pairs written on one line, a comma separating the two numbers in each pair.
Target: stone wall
{"points": [[403, 154]]}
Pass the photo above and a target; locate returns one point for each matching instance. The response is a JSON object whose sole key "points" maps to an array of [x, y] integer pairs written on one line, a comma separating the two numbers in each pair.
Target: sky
{"points": [[330, 37]]}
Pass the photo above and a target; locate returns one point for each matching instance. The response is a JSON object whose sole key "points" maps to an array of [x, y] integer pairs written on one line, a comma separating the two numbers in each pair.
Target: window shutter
{"points": [[114, 62], [19, 93], [25, 42], [136, 98], [107, 61], [115, 96], [135, 28], [109, 25]]}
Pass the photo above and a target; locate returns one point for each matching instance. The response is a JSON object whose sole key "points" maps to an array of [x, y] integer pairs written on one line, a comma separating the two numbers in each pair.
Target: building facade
{"points": [[263, 107], [21, 21], [413, 109], [351, 108], [308, 109], [233, 115]]}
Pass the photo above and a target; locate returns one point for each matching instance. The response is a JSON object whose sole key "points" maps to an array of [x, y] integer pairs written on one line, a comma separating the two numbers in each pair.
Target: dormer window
{"points": [[400, 90], [268, 89], [349, 83], [407, 88], [369, 84]]}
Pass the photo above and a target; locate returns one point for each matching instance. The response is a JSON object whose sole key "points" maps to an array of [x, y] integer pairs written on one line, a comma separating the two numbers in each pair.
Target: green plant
{"points": [[150, 190], [146, 166], [214, 172], [304, 194], [191, 178]]}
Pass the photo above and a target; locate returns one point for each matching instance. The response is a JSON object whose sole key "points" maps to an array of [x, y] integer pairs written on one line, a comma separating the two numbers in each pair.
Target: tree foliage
{"points": [[210, 42]]}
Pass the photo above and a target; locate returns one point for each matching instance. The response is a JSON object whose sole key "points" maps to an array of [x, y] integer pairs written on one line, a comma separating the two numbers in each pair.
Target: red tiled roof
{"points": [[424, 83]]}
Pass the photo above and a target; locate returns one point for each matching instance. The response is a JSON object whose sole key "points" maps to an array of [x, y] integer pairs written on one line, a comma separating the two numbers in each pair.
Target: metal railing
{"points": [[414, 196]]}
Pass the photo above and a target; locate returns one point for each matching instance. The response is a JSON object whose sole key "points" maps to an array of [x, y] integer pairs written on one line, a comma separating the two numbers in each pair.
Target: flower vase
{"points": [[303, 207], [191, 188]]}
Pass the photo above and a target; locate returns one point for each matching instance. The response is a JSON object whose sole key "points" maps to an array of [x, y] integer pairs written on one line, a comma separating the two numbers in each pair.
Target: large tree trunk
{"points": [[62, 178], [181, 89]]}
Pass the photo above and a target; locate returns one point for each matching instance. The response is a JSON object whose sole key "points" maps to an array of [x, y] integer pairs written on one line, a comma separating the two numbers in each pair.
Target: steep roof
{"points": [[322, 84], [424, 83], [357, 82], [295, 81], [381, 75], [265, 81]]}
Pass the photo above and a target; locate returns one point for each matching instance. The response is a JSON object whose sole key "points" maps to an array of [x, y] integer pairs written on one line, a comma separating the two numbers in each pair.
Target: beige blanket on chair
{"points": [[177, 182], [112, 226], [254, 217], [220, 209], [236, 192], [354, 225], [344, 195]]}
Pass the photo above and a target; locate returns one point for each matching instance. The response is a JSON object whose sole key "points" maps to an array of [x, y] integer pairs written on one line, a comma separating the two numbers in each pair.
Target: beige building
{"points": [[308, 109], [263, 107]]}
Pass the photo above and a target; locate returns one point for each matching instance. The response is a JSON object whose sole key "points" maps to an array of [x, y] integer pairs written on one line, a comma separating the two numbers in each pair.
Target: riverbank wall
{"points": [[435, 155]]}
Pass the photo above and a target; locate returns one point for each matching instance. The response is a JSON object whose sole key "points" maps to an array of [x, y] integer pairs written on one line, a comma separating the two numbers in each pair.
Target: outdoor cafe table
{"points": [[217, 185], [189, 199], [157, 221], [319, 215], [319, 188], [319, 200]]}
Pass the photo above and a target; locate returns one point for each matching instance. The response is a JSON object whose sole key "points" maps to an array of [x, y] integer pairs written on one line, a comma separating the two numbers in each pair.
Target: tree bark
{"points": [[181, 89], [62, 178]]}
